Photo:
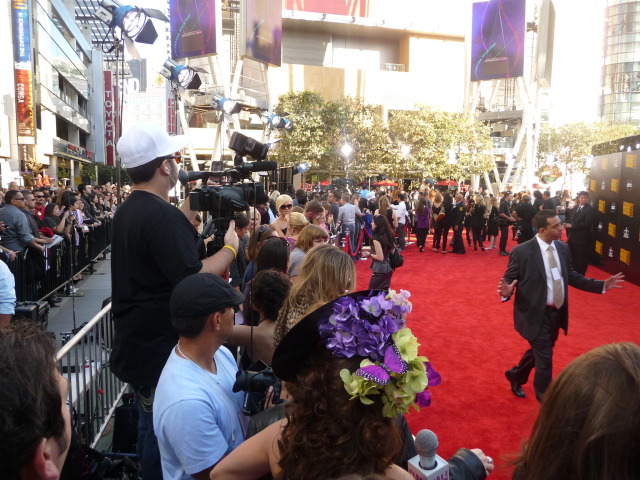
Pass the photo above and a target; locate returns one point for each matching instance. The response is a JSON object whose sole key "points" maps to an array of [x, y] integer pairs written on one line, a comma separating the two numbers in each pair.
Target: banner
{"points": [[23, 71], [262, 31], [193, 28], [172, 127], [109, 120], [497, 39], [614, 190]]}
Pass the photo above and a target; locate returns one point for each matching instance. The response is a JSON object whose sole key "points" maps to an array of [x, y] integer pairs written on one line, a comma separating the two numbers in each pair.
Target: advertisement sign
{"points": [[109, 120], [497, 39], [193, 28], [172, 128], [351, 8], [262, 31], [614, 187], [23, 70]]}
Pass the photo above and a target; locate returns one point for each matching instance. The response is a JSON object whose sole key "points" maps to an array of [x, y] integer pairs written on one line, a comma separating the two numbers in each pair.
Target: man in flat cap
{"points": [[196, 413], [153, 248]]}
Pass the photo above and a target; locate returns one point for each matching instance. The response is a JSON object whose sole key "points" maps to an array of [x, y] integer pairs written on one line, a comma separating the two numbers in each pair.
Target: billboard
{"points": [[194, 31], [351, 8], [109, 120], [614, 185], [262, 31], [497, 39], [23, 71]]}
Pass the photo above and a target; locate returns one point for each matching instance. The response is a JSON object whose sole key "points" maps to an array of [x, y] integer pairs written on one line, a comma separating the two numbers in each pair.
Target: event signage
{"points": [[262, 31], [194, 28], [23, 71], [172, 128], [614, 190], [109, 120], [497, 39]]}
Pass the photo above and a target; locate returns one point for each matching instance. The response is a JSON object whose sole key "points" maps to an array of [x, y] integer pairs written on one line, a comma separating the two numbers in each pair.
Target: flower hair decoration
{"points": [[373, 327]]}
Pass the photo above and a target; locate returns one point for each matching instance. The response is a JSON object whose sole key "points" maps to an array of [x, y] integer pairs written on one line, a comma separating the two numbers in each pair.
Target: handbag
{"points": [[396, 259]]}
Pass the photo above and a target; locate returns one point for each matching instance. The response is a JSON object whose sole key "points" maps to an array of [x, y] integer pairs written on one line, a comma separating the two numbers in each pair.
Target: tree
{"points": [[565, 148], [322, 127], [431, 134]]}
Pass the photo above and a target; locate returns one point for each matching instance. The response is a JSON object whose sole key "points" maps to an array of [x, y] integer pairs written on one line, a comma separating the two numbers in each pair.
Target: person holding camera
{"points": [[196, 412], [153, 248]]}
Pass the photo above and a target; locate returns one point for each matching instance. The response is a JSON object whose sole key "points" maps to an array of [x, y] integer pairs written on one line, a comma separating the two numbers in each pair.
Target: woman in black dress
{"points": [[444, 224], [492, 229], [477, 222], [383, 245]]}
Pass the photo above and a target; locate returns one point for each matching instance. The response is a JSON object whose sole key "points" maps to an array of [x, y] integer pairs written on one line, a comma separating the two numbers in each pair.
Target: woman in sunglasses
{"points": [[284, 204]]}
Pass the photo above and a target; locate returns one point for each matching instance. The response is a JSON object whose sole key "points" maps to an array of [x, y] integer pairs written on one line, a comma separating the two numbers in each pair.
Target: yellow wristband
{"points": [[235, 253]]}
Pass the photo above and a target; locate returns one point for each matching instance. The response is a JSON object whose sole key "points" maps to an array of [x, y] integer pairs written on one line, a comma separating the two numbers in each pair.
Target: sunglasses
{"points": [[38, 196], [286, 206], [21, 198]]}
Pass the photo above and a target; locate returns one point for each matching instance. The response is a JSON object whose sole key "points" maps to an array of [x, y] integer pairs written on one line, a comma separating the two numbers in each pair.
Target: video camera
{"points": [[255, 381], [223, 202]]}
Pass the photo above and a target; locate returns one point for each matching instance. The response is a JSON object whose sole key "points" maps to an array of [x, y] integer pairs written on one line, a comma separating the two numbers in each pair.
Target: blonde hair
{"points": [[383, 204], [326, 273], [308, 235], [438, 198], [297, 221], [283, 200]]}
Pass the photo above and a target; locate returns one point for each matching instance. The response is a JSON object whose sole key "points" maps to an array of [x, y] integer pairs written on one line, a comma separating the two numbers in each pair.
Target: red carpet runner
{"points": [[468, 335]]}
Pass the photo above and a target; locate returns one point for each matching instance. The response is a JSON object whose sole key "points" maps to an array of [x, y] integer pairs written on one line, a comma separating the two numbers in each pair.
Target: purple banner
{"points": [[497, 39], [193, 28]]}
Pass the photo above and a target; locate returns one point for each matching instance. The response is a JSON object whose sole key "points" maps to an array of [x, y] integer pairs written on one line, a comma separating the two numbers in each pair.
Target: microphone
{"points": [[262, 166], [427, 465]]}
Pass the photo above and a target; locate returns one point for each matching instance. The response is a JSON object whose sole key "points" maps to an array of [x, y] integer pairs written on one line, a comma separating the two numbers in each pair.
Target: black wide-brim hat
{"points": [[295, 348]]}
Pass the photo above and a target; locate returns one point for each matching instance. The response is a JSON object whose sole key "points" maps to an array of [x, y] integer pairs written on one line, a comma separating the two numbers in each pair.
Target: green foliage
{"points": [[322, 127], [566, 147], [431, 133]]}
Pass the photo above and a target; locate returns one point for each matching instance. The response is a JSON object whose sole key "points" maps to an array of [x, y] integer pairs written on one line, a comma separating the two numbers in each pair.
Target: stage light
{"points": [[181, 76], [134, 22], [303, 167], [346, 149], [637, 146], [243, 145], [621, 147], [225, 105], [275, 121], [405, 150], [629, 148]]}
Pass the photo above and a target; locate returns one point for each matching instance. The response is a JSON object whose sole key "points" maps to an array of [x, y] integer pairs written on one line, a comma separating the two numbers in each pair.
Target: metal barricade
{"points": [[94, 391], [63, 261]]}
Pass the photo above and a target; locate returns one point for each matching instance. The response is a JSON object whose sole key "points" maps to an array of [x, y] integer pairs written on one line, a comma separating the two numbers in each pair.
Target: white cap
{"points": [[145, 142]]}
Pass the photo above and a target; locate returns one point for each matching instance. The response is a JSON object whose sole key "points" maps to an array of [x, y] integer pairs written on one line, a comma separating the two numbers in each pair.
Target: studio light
{"points": [[134, 22], [346, 149], [225, 105], [275, 121], [303, 167], [181, 76], [243, 145]]}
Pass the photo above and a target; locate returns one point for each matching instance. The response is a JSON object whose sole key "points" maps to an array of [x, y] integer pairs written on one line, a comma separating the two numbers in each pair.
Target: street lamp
{"points": [[346, 150], [405, 150]]}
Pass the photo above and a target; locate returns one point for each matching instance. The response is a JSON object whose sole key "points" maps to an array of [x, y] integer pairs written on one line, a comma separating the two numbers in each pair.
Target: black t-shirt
{"points": [[549, 204], [506, 209], [153, 248], [525, 212]]}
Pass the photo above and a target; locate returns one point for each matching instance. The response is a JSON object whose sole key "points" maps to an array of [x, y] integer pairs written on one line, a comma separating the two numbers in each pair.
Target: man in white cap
{"points": [[153, 249]]}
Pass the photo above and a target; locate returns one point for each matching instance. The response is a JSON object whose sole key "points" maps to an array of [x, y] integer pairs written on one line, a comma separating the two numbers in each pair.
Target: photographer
{"points": [[153, 249], [196, 411]]}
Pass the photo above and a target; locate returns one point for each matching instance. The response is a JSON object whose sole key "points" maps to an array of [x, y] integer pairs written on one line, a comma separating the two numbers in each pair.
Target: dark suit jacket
{"points": [[581, 224], [526, 265], [458, 214]]}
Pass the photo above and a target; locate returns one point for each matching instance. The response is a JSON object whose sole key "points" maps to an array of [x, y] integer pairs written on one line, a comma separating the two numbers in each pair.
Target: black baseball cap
{"points": [[203, 294]]}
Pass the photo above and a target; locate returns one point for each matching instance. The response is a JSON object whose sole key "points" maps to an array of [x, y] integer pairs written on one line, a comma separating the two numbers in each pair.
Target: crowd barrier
{"points": [[63, 261], [94, 391]]}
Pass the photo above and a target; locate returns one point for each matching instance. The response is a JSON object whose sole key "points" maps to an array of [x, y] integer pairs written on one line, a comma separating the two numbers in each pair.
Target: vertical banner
{"points": [[497, 39], [193, 28], [262, 31], [109, 120], [23, 71], [172, 127]]}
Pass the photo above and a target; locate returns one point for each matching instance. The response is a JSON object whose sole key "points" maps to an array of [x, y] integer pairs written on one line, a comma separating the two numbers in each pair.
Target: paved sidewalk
{"points": [[79, 309]]}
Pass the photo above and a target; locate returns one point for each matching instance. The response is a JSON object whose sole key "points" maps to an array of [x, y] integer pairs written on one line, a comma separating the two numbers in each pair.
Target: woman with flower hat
{"points": [[350, 366]]}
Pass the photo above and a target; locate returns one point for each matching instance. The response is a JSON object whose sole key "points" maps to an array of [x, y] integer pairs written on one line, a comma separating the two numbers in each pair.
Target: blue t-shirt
{"points": [[195, 415]]}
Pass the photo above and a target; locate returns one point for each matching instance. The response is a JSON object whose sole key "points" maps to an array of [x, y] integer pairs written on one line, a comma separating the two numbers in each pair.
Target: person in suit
{"points": [[458, 213], [542, 270], [504, 217], [580, 239]]}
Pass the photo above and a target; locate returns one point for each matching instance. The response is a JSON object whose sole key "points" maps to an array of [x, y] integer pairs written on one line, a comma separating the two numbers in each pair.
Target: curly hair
{"points": [[589, 423], [328, 434], [269, 289]]}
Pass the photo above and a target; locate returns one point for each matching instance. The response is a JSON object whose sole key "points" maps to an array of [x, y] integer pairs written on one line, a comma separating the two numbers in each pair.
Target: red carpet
{"points": [[468, 335]]}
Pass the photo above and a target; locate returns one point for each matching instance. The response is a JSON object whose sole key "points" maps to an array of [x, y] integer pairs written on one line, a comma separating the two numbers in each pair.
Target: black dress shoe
{"points": [[516, 388], [504, 254]]}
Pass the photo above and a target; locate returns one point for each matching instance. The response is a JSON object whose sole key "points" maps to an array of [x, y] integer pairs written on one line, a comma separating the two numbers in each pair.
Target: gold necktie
{"points": [[558, 291]]}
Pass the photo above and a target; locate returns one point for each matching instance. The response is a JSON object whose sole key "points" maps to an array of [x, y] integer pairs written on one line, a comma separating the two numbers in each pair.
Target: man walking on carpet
{"points": [[540, 271]]}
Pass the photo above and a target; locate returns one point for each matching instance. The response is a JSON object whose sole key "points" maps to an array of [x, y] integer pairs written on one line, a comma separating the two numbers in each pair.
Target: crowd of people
{"points": [[31, 221], [342, 365]]}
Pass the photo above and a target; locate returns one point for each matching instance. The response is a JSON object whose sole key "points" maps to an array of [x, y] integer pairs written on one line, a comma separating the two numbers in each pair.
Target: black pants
{"points": [[458, 243], [580, 256], [400, 232], [504, 236], [540, 356], [442, 232], [477, 236], [421, 235]]}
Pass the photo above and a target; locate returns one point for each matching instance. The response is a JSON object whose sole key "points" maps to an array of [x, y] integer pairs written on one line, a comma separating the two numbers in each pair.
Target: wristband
{"points": [[235, 253]]}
